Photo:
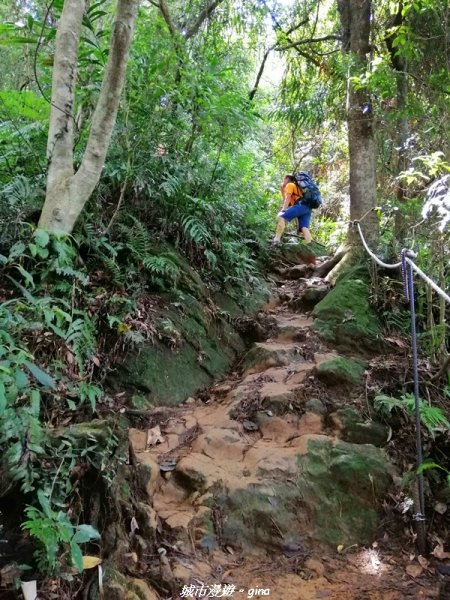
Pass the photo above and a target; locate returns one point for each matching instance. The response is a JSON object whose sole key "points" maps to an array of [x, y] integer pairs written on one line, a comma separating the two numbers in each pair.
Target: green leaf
{"points": [[42, 238], [77, 556], [429, 465], [35, 402], [26, 275], [21, 379], [85, 533], [2, 398], [45, 503], [36, 449], [17, 250], [42, 377], [11, 41]]}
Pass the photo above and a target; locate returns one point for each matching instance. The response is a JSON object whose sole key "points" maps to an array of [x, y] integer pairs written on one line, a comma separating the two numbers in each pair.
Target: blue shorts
{"points": [[300, 212]]}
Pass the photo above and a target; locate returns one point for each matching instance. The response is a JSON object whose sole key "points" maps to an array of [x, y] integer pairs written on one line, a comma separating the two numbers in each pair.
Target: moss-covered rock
{"points": [[261, 519], [168, 376], [118, 587], [332, 497], [339, 483], [340, 370], [353, 428], [204, 345], [295, 253], [345, 316]]}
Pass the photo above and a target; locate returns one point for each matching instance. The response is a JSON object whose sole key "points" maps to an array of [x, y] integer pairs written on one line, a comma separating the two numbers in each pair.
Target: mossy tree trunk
{"points": [[356, 20]]}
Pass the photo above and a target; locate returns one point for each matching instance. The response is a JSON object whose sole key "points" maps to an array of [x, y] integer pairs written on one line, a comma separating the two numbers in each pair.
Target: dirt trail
{"points": [[246, 429]]}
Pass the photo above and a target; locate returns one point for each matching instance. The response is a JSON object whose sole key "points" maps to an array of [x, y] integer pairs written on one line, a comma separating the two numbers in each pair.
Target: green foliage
{"points": [[56, 535], [432, 417]]}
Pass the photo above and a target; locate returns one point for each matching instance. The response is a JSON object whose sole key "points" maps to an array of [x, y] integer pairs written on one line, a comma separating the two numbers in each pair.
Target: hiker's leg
{"points": [[303, 223], [306, 235], [281, 226], [288, 215]]}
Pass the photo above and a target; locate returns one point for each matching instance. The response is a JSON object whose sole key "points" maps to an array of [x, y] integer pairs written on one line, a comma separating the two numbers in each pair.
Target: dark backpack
{"points": [[310, 192]]}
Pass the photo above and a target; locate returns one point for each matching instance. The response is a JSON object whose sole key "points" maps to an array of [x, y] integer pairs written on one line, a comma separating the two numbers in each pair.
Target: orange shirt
{"points": [[294, 191]]}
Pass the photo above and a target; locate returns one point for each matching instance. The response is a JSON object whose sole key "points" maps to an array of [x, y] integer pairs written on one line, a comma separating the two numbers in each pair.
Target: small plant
{"points": [[432, 417], [57, 537]]}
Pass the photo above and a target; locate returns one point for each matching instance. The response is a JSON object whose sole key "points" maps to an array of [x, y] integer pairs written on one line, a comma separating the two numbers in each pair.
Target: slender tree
{"points": [[356, 28], [67, 190]]}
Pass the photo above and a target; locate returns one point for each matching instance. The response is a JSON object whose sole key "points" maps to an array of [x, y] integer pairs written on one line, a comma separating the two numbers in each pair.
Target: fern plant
{"points": [[195, 230], [432, 417], [163, 270]]}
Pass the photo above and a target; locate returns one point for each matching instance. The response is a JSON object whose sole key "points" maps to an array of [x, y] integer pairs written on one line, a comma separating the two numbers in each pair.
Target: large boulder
{"points": [[330, 497], [294, 252], [204, 347], [345, 316], [339, 483]]}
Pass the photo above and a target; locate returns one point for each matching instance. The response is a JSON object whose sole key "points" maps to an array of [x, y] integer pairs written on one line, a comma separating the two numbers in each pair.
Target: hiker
{"points": [[293, 209]]}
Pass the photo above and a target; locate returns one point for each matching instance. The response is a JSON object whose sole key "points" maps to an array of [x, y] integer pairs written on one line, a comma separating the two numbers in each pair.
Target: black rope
{"points": [[408, 283]]}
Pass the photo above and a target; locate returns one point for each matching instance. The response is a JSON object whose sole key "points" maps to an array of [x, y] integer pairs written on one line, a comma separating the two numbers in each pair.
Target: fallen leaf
{"points": [[414, 570], [423, 561], [397, 341], [89, 562], [340, 548], [154, 436], [440, 508], [439, 553], [133, 526]]}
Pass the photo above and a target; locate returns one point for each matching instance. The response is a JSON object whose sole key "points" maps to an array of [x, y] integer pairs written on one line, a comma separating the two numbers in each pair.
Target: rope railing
{"points": [[373, 256], [397, 265], [428, 281], [408, 268]]}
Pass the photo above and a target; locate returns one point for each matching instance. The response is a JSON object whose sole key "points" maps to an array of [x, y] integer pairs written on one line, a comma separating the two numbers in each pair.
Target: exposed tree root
{"points": [[323, 269], [348, 257]]}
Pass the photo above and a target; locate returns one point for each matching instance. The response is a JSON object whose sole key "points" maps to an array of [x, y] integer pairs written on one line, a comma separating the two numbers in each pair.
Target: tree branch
{"points": [[260, 73], [395, 21], [331, 36], [204, 14], [108, 103], [295, 27], [164, 10], [309, 57]]}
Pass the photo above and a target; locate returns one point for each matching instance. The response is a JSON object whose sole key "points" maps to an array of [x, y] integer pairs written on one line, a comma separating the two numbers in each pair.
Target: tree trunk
{"points": [[68, 192], [356, 26], [400, 65]]}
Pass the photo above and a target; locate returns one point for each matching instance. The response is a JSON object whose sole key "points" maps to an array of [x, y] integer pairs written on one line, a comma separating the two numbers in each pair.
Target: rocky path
{"points": [[267, 485]]}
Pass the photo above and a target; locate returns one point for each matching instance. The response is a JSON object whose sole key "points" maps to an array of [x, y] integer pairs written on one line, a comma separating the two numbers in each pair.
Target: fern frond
{"points": [[117, 274], [195, 230], [162, 268]]}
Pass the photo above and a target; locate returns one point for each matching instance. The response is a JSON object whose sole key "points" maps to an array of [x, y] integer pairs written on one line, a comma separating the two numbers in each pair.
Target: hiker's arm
{"points": [[287, 200]]}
